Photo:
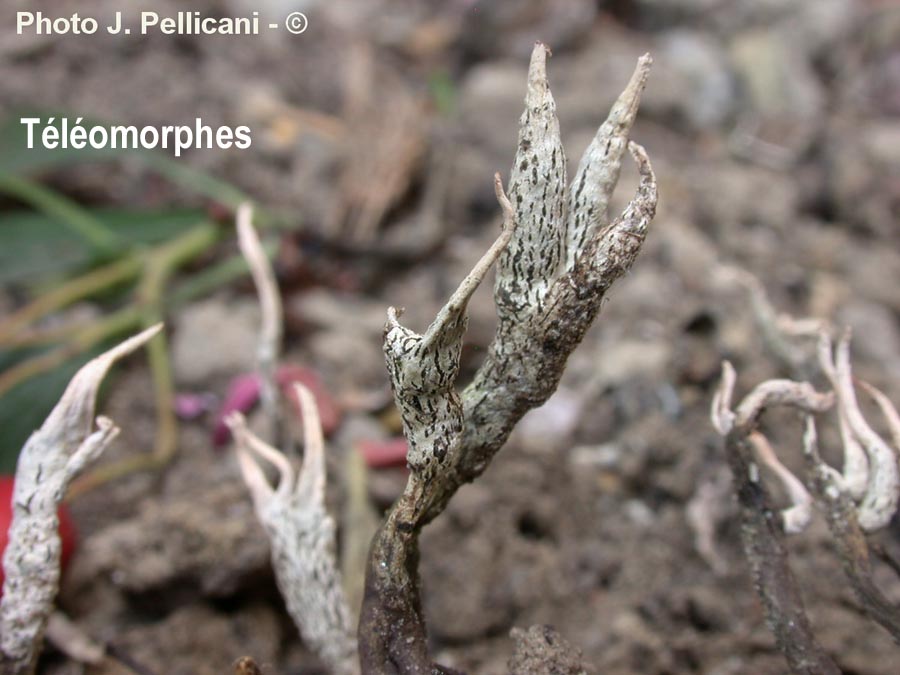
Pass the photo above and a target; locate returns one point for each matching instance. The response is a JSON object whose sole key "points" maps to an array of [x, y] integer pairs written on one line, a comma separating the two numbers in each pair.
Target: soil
{"points": [[773, 128]]}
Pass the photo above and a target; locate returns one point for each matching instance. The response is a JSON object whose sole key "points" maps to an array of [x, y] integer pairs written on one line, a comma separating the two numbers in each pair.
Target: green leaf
{"points": [[66, 212], [33, 246]]}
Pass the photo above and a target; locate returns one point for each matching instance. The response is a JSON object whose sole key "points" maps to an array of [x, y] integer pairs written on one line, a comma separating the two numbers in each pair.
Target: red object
{"points": [[329, 412], [66, 527], [382, 454], [242, 395], [244, 392], [190, 405]]}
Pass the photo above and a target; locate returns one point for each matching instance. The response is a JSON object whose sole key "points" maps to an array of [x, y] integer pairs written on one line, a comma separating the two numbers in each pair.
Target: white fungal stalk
{"points": [[773, 393], [598, 172], [423, 368], [537, 185], [302, 536], [742, 422], [763, 536], [52, 457], [830, 476], [891, 416], [799, 515], [270, 334], [300, 530], [877, 469], [777, 329], [870, 478], [720, 412]]}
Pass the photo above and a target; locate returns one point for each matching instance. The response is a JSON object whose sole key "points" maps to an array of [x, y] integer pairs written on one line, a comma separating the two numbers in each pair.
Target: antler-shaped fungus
{"points": [[272, 315], [553, 270], [870, 465], [860, 499], [54, 454], [423, 368], [761, 533], [302, 536]]}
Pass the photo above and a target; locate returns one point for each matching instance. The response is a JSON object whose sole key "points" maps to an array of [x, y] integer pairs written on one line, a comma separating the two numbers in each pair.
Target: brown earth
{"points": [[774, 131]]}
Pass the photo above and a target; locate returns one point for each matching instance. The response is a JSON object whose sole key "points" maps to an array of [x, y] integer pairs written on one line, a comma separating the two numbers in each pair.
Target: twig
{"points": [[360, 522], [128, 661], [763, 542]]}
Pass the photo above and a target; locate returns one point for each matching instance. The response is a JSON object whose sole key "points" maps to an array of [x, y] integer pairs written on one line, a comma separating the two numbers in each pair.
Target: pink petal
{"points": [[190, 406], [329, 410], [243, 393]]}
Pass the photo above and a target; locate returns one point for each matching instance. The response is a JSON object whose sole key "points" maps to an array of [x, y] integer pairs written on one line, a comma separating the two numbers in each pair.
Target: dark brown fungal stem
{"points": [[762, 530], [849, 538], [862, 498]]}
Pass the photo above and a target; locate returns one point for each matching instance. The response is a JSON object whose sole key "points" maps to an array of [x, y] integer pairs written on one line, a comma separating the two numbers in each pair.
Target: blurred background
{"points": [[774, 131]]}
